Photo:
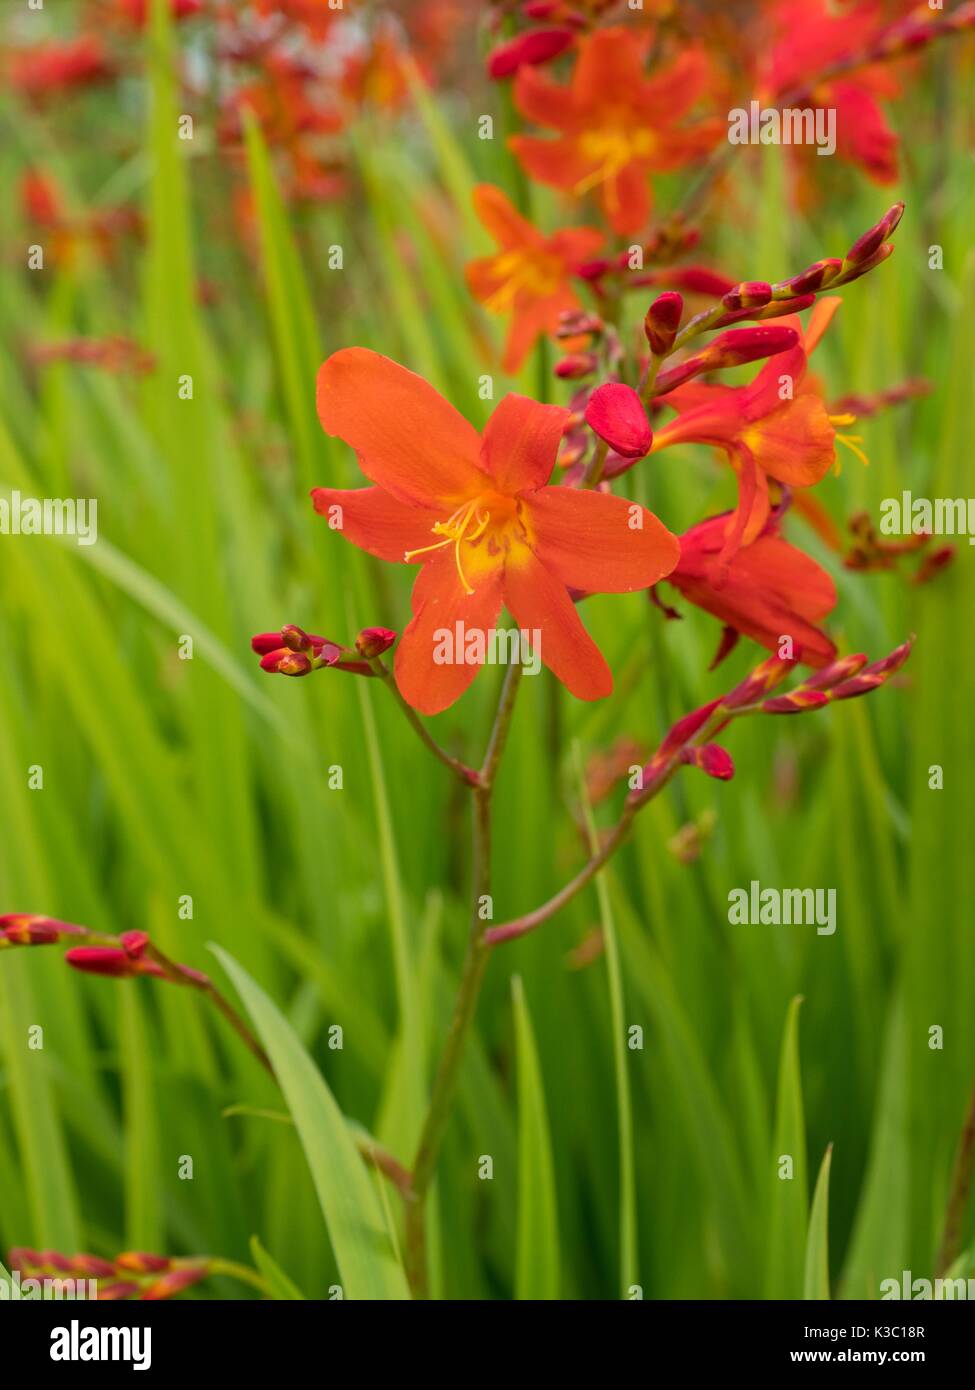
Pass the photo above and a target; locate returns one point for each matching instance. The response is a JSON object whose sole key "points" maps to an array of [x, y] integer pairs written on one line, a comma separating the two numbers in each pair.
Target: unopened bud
{"points": [[662, 322], [373, 641], [616, 413], [576, 365]]}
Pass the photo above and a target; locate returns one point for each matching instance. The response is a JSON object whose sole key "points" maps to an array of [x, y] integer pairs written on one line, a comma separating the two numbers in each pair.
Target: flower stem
{"points": [[466, 774], [465, 1004]]}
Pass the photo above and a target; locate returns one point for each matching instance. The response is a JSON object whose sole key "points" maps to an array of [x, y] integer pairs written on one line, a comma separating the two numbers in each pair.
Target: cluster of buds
{"points": [[871, 552], [294, 652], [688, 743], [864, 406], [132, 1274], [131, 953]]}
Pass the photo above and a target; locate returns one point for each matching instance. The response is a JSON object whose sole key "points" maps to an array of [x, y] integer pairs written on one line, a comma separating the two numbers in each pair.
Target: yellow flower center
{"points": [[611, 148], [851, 441], [466, 524], [523, 271]]}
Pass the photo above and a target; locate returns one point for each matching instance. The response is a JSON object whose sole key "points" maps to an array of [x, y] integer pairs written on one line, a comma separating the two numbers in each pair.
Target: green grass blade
{"points": [[360, 1242], [788, 1214], [537, 1245], [817, 1239], [282, 1288]]}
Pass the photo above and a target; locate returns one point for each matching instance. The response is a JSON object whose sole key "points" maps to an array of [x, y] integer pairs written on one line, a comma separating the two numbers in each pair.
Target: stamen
{"points": [[455, 531], [851, 441]]}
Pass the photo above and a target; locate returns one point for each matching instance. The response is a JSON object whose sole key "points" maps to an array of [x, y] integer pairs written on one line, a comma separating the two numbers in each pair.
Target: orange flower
{"points": [[530, 277], [770, 589], [614, 123], [477, 515], [764, 436]]}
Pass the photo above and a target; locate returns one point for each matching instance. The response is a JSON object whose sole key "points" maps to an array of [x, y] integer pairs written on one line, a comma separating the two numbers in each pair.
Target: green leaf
{"points": [[363, 1251], [785, 1273], [817, 1239], [537, 1243], [282, 1288]]}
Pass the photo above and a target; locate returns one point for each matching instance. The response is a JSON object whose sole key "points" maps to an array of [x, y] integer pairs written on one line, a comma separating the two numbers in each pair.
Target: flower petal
{"points": [[408, 439], [590, 541], [540, 603], [375, 521], [440, 602], [499, 216], [520, 443]]}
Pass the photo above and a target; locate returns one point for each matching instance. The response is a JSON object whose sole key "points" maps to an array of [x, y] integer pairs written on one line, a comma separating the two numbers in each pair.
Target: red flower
{"points": [[54, 67], [477, 515], [770, 589], [531, 275], [615, 124], [764, 435]]}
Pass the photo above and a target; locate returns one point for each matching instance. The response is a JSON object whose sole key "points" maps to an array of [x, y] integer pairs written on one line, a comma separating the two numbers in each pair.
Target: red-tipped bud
{"points": [[740, 345], [373, 641], [765, 677], [176, 1281], [873, 676], [797, 701], [53, 1259], [537, 46], [25, 929], [662, 322], [697, 279], [134, 943], [866, 246], [265, 642], [731, 349], [295, 639], [750, 294], [22, 1257], [775, 309], [815, 277], [575, 323], [110, 960], [138, 1262], [616, 413], [576, 365], [837, 671], [712, 759]]}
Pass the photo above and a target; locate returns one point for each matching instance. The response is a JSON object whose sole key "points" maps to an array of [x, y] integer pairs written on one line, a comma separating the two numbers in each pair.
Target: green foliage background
{"points": [[165, 777]]}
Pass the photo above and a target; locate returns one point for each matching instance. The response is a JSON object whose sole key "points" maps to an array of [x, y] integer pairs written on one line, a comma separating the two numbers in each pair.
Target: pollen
{"points": [[466, 525]]}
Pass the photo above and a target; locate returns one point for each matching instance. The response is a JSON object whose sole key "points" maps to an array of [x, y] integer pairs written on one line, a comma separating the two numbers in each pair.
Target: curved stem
{"points": [[466, 774], [465, 1004]]}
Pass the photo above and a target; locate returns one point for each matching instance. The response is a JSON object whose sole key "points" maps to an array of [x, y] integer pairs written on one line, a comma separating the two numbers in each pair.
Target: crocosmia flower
{"points": [[530, 277], [770, 589], [477, 515], [615, 125], [777, 427]]}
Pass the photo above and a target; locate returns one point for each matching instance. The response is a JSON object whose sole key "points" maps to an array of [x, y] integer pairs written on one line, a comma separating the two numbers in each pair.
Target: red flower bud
{"points": [[798, 701], [110, 960], [373, 641], [662, 322], [866, 246], [750, 294], [741, 345], [577, 364], [114, 1293], [25, 929], [616, 413], [712, 759], [537, 46], [815, 277]]}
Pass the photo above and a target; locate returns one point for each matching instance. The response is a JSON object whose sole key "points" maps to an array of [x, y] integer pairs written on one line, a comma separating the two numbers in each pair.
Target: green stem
{"points": [[466, 774], [465, 1004], [959, 1189]]}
